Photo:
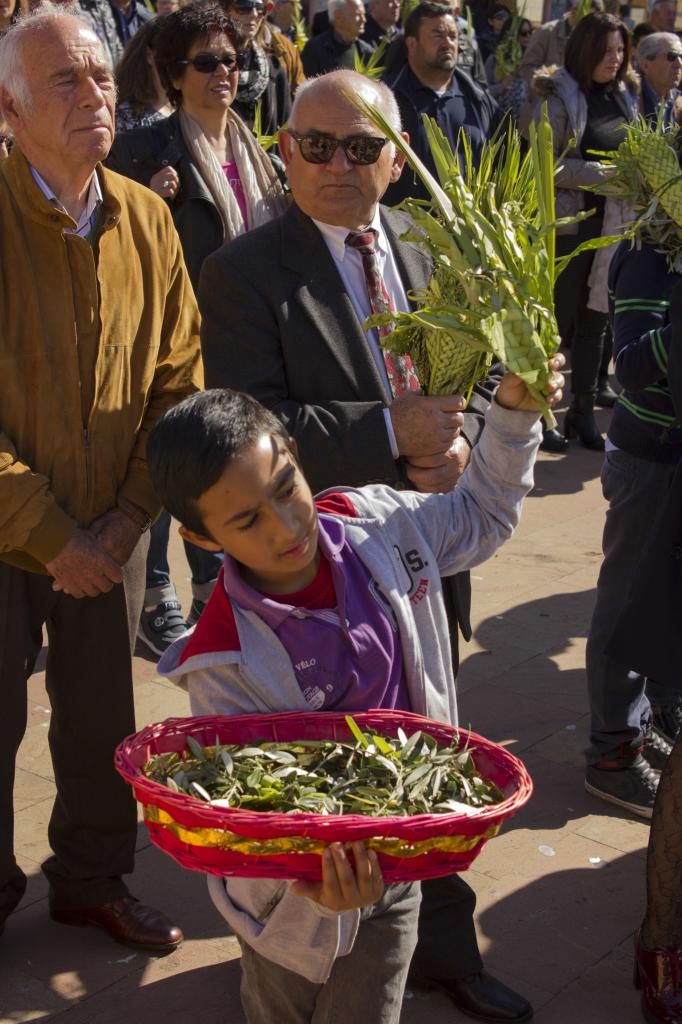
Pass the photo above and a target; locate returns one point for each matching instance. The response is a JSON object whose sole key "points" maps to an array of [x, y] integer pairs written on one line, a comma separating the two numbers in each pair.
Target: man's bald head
{"points": [[336, 88]]}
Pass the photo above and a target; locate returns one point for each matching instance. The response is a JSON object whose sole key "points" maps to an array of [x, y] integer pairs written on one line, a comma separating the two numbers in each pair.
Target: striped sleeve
{"points": [[641, 333]]}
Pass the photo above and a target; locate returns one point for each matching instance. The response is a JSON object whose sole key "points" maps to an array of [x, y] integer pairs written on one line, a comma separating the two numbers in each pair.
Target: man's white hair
{"points": [[335, 5], [346, 84], [13, 77], [650, 46]]}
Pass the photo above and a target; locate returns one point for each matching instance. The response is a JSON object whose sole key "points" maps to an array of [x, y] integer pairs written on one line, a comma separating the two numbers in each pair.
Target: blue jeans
{"points": [[619, 699], [204, 565]]}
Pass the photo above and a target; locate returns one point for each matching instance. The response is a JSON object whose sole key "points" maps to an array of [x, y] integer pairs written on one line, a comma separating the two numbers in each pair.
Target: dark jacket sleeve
{"points": [[241, 341], [641, 332], [310, 57]]}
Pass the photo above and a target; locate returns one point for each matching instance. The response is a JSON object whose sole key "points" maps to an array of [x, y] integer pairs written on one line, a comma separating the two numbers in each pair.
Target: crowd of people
{"points": [[203, 214]]}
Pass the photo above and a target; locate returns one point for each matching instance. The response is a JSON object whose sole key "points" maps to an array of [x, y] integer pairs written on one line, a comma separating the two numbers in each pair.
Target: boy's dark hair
{"points": [[192, 444], [427, 9], [587, 45]]}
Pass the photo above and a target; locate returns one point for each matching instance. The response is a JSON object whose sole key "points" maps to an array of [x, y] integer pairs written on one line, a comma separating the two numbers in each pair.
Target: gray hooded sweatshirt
{"points": [[407, 541]]}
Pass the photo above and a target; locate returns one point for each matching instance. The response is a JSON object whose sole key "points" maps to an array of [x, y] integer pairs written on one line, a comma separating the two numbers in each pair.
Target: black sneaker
{"points": [[667, 718], [656, 749], [161, 626], [632, 787], [194, 612]]}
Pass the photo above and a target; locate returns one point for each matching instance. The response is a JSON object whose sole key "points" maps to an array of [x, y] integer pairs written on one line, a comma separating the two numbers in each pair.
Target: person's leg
{"points": [[662, 925], [365, 985], [89, 680], [158, 570], [24, 599], [658, 946], [447, 946], [272, 993], [204, 566], [368, 984], [162, 620], [616, 772]]}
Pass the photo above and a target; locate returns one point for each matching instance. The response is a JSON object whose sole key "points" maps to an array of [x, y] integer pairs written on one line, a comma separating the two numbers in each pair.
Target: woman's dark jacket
{"points": [[139, 154], [648, 635]]}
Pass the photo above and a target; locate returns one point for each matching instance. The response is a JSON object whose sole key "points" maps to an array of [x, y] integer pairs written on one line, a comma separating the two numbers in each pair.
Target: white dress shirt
{"points": [[92, 204], [348, 262]]}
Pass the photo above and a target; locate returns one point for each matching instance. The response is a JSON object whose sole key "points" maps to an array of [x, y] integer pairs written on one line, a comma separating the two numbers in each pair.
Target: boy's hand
{"points": [[513, 394], [341, 888]]}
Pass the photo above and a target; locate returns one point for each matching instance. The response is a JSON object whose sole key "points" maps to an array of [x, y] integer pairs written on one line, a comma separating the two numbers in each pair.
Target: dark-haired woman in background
{"points": [[142, 100], [218, 183], [10, 11], [589, 104]]}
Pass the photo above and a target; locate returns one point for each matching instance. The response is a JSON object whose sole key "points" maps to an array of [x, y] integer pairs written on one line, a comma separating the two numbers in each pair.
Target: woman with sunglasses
{"points": [[218, 183], [589, 102], [263, 82], [510, 90]]}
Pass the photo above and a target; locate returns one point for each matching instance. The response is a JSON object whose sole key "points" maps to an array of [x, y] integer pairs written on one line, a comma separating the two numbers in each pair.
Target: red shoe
{"points": [[658, 972]]}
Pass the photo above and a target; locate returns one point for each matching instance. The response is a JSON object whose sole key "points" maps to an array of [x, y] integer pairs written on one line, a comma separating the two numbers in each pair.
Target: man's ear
{"points": [[8, 109], [199, 539], [399, 159], [410, 43], [286, 146]]}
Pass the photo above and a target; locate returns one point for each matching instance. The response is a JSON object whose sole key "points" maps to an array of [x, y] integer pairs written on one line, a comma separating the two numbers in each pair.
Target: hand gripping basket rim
{"points": [[232, 841]]}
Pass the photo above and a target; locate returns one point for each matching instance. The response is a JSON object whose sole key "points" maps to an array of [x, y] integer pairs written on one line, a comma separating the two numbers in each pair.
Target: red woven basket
{"points": [[226, 841]]}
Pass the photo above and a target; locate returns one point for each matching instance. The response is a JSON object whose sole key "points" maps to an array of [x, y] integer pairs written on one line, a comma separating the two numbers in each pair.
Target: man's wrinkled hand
{"points": [[425, 425], [83, 568], [343, 888], [513, 393], [438, 474], [117, 534]]}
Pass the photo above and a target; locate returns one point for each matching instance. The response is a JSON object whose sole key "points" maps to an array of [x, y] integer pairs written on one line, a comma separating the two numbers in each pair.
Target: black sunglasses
{"points": [[207, 63], [253, 5], [359, 149], [672, 55]]}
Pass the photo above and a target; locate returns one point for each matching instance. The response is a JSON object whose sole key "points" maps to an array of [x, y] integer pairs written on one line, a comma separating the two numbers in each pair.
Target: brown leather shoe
{"points": [[127, 921]]}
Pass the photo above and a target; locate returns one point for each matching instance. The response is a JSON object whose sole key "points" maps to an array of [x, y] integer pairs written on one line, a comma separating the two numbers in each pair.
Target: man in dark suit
{"points": [[283, 310]]}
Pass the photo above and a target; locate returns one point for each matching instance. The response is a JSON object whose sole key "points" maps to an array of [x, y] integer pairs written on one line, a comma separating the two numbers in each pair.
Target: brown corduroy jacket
{"points": [[96, 342]]}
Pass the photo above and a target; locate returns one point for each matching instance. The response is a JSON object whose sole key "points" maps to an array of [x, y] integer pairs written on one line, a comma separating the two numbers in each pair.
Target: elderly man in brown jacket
{"points": [[98, 336]]}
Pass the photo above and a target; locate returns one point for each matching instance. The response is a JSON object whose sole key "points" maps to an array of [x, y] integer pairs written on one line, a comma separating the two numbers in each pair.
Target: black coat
{"points": [[326, 52], [648, 636], [140, 153]]}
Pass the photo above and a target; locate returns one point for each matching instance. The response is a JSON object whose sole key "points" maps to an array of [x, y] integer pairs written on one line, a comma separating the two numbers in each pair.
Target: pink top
{"points": [[235, 183]]}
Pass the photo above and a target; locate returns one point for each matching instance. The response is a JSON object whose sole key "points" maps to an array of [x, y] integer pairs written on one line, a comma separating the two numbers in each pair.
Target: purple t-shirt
{"points": [[231, 172], [347, 655]]}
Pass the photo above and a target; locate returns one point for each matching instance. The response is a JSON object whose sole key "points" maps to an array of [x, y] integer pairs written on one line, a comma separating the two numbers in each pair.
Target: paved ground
{"points": [[559, 893]]}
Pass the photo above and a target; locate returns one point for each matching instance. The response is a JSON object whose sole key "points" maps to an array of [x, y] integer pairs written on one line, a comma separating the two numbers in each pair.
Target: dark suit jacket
{"points": [[277, 323], [327, 52]]}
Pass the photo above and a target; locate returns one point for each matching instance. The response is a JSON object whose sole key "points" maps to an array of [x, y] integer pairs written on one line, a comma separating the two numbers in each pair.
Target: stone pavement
{"points": [[559, 892]]}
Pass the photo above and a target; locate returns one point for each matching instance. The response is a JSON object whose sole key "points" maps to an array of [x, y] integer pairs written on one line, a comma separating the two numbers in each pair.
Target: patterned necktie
{"points": [[402, 375]]}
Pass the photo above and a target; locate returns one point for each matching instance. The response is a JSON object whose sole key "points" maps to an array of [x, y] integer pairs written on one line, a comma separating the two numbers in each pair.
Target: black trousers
{"points": [[447, 946], [92, 829], [580, 327]]}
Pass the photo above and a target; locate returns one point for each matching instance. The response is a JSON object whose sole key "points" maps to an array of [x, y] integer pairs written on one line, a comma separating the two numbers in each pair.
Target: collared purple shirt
{"points": [[346, 658]]}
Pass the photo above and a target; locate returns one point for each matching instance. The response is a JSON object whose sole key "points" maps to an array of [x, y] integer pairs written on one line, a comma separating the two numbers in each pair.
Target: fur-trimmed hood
{"points": [[547, 81]]}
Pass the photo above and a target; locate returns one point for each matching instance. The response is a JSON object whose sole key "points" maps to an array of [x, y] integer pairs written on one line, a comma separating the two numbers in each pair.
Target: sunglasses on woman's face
{"points": [[208, 63], [359, 149], [525, 34]]}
